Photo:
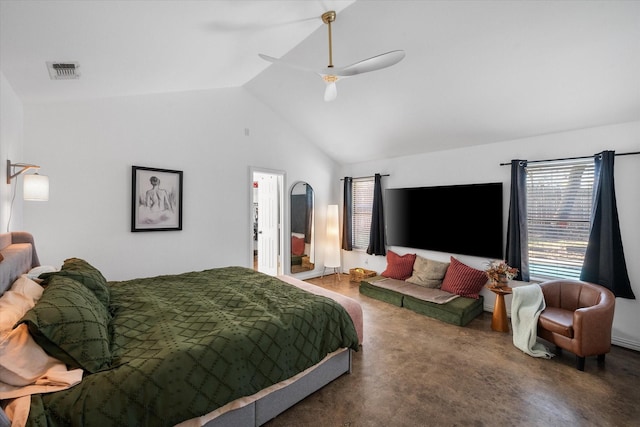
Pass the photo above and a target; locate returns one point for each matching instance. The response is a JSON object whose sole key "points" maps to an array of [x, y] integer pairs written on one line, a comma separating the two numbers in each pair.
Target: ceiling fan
{"points": [[331, 74]]}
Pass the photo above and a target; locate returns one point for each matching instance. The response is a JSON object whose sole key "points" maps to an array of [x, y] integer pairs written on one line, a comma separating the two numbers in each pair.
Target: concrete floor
{"points": [[416, 371]]}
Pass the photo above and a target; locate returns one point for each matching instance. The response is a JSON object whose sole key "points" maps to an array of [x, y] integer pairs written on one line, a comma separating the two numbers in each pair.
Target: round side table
{"points": [[499, 321]]}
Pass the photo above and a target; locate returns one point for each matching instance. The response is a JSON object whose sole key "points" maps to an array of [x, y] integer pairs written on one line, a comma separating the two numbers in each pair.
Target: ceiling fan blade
{"points": [[286, 64], [331, 92], [331, 74], [372, 64], [238, 25], [269, 58]]}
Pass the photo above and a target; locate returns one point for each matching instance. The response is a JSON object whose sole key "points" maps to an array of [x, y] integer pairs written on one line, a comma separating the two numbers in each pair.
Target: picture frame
{"points": [[156, 199]]}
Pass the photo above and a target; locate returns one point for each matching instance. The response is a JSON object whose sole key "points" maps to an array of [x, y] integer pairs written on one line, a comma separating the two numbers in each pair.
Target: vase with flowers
{"points": [[499, 273]]}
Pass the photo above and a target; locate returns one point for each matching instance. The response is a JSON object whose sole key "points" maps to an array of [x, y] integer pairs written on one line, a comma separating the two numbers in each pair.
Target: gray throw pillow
{"points": [[428, 273]]}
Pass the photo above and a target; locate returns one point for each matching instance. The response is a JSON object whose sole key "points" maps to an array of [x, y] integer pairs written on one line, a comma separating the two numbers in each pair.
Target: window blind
{"points": [[559, 201], [361, 211]]}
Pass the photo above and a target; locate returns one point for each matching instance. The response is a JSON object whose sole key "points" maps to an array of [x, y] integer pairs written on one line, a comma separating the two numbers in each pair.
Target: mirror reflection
{"points": [[302, 239]]}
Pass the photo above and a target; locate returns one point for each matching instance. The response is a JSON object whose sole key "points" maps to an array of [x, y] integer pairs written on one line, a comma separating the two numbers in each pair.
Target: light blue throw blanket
{"points": [[526, 306]]}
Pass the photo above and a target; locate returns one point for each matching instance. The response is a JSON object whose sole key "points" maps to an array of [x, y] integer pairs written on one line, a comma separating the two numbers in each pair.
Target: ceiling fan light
{"points": [[331, 92], [329, 78]]}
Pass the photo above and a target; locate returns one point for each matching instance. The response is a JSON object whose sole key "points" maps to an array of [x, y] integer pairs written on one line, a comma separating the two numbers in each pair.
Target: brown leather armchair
{"points": [[578, 317]]}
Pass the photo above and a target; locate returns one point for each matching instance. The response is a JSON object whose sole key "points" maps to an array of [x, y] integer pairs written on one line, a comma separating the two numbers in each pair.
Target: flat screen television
{"points": [[458, 219]]}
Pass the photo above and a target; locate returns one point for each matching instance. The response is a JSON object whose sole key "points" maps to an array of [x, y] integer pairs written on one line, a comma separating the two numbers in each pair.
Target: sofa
{"points": [[457, 310], [445, 291]]}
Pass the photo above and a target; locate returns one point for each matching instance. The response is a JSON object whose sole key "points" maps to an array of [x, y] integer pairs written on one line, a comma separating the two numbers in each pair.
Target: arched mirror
{"points": [[302, 232]]}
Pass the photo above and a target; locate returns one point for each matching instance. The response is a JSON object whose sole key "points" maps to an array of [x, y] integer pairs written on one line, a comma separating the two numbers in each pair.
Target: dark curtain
{"points": [[604, 261], [298, 213], [347, 203], [376, 234], [517, 237], [308, 217]]}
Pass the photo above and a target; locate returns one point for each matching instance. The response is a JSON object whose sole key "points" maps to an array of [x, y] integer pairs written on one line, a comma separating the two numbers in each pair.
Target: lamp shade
{"points": [[36, 187], [332, 248]]}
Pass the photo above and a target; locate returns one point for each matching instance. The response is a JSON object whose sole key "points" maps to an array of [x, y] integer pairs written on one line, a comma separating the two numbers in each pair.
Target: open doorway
{"points": [[267, 209]]}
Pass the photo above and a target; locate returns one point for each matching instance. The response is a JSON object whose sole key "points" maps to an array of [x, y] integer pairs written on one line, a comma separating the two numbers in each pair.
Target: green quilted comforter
{"points": [[183, 345]]}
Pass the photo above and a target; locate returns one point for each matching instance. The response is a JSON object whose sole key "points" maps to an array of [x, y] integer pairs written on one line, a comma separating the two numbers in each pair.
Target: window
{"points": [[559, 200], [361, 212]]}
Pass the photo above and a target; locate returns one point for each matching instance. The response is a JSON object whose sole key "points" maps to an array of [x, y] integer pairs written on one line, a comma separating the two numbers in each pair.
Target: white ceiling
{"points": [[476, 72], [139, 47]]}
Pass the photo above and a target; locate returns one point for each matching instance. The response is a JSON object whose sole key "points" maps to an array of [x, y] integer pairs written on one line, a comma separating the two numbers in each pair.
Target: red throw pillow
{"points": [[297, 245], [463, 280], [399, 267]]}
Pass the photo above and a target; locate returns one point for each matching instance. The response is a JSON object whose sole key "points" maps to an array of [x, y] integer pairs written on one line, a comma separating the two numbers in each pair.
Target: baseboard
{"points": [[626, 343], [316, 274], [620, 342]]}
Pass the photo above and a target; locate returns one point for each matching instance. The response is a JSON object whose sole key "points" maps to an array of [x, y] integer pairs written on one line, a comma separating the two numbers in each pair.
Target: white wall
{"points": [[481, 164], [88, 147], [11, 118]]}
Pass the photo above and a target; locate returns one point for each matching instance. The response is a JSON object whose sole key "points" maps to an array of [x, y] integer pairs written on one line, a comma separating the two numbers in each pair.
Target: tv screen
{"points": [[459, 219]]}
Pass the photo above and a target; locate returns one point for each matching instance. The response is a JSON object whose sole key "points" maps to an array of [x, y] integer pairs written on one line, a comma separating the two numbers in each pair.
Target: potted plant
{"points": [[499, 273]]}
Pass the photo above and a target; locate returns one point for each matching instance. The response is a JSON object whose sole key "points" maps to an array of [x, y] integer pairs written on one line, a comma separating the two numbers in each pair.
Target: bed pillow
{"points": [[83, 272], [428, 273], [16, 301], [297, 245], [22, 361], [399, 266], [12, 307], [71, 325], [35, 272], [30, 289], [463, 280]]}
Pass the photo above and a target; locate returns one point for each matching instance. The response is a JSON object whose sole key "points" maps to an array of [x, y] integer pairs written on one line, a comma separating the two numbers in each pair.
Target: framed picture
{"points": [[156, 199]]}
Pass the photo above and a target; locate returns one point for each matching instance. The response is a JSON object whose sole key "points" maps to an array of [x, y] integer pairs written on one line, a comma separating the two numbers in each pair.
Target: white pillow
{"points": [[37, 271], [27, 287]]}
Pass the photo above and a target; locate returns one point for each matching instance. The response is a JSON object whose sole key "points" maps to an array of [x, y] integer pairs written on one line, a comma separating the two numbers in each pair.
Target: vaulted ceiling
{"points": [[475, 72]]}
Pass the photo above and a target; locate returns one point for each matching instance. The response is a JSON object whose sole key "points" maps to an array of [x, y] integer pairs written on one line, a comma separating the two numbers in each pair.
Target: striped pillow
{"points": [[463, 280], [399, 267]]}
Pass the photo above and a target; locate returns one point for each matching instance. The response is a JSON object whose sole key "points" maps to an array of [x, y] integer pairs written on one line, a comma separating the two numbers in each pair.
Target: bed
{"points": [[226, 346]]}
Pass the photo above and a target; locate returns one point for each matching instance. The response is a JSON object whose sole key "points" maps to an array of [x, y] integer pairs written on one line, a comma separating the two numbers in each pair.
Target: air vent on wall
{"points": [[63, 70]]}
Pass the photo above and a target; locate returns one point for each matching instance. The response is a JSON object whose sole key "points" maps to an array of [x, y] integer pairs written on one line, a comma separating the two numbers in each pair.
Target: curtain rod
{"points": [[571, 158], [363, 177]]}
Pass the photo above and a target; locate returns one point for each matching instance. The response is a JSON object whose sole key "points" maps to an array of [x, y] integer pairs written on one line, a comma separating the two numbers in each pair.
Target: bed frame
{"points": [[19, 252], [276, 402]]}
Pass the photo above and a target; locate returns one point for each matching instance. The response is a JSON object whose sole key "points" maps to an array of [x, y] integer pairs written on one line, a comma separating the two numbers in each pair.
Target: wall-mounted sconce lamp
{"points": [[35, 186]]}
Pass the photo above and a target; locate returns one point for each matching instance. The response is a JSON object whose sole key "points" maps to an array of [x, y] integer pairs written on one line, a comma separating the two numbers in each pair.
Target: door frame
{"points": [[282, 176]]}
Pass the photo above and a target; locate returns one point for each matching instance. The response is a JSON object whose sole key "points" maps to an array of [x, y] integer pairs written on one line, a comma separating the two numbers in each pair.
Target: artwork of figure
{"points": [[157, 199]]}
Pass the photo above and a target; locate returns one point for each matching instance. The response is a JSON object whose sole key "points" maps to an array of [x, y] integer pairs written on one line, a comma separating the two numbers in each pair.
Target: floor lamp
{"points": [[332, 243]]}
